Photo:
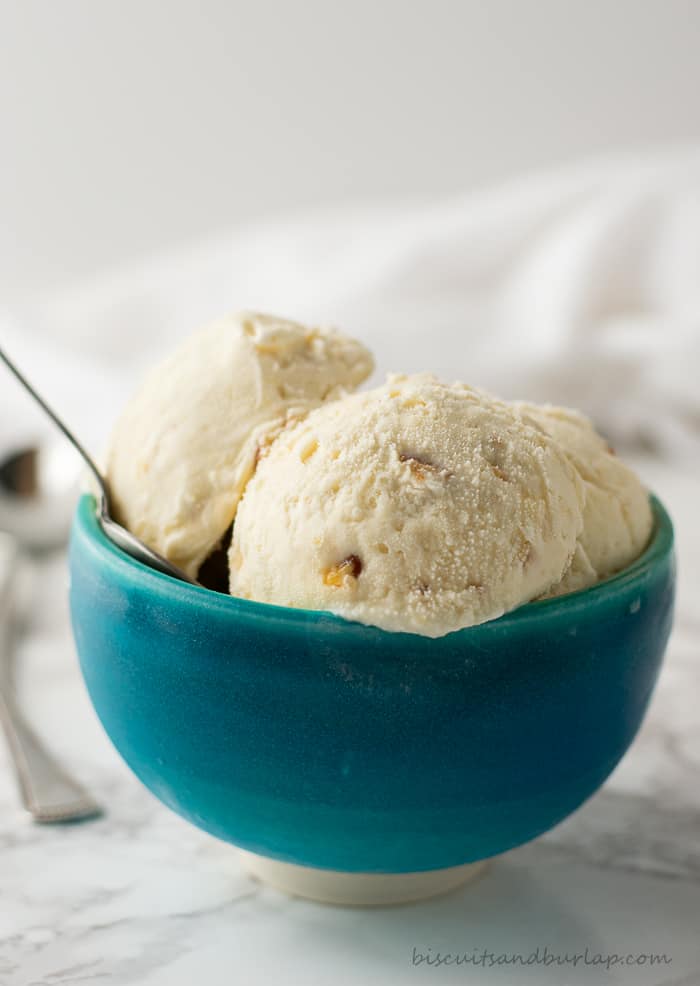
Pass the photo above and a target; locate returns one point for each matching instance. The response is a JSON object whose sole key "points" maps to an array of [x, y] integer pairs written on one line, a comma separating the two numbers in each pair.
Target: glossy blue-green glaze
{"points": [[322, 742]]}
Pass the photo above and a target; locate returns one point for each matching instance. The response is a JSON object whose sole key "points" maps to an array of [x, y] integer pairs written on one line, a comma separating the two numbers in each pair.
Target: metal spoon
{"points": [[124, 539], [39, 484], [48, 791]]}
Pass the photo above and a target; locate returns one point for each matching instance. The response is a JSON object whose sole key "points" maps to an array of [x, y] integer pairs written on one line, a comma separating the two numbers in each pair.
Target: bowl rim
{"points": [[87, 527]]}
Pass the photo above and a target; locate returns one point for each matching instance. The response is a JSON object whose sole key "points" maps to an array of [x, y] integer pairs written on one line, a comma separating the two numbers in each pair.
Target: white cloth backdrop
{"points": [[579, 287]]}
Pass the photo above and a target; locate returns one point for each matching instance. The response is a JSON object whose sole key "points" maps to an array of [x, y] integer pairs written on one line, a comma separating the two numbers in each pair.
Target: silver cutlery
{"points": [[36, 511], [39, 485], [124, 539], [48, 792]]}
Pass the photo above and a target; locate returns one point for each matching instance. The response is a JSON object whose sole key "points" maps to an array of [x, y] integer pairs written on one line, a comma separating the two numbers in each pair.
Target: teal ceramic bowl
{"points": [[316, 741]]}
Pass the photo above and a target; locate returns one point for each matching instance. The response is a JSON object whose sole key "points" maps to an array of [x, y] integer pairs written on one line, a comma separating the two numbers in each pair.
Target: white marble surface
{"points": [[140, 897]]}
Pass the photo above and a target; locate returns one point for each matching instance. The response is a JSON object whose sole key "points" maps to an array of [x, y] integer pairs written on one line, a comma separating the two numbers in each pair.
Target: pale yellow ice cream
{"points": [[419, 506], [186, 444], [416, 507], [617, 518]]}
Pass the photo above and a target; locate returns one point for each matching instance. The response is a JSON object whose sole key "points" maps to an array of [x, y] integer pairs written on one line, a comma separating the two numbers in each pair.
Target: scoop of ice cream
{"points": [[617, 518], [183, 449], [416, 507]]}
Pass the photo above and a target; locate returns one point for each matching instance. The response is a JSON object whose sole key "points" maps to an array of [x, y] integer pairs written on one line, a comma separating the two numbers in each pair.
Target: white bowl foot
{"points": [[357, 889]]}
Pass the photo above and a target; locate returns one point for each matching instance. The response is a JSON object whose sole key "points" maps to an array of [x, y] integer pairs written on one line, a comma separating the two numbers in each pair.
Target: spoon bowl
{"points": [[39, 487]]}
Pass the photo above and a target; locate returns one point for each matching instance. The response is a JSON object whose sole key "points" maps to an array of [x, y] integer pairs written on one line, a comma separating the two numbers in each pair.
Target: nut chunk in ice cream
{"points": [[416, 507], [183, 449], [617, 519]]}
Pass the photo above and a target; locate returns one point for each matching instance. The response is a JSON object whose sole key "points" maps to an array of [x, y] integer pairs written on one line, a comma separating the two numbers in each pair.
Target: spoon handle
{"points": [[62, 427], [47, 791], [118, 534]]}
